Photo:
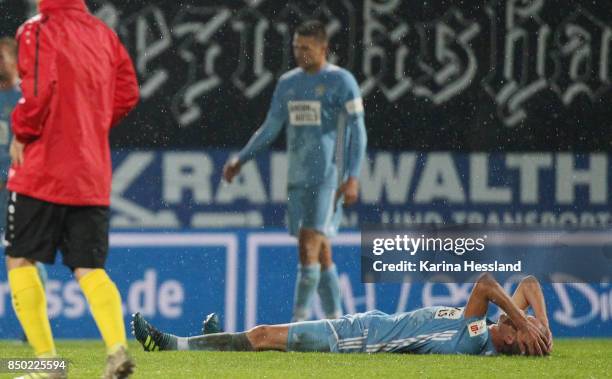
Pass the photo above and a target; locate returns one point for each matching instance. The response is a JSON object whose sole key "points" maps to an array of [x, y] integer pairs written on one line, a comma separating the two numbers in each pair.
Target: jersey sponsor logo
{"points": [[452, 313], [305, 113], [354, 106], [320, 90], [477, 328]]}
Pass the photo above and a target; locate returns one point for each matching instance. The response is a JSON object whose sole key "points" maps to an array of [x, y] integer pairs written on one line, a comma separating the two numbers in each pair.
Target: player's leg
{"points": [[31, 237], [327, 221], [329, 283], [310, 336], [105, 302], [309, 272], [155, 340], [305, 336], [30, 305], [42, 272], [85, 248], [300, 207], [301, 336]]}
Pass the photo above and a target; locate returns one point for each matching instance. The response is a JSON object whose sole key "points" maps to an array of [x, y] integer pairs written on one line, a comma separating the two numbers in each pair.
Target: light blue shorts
{"points": [[310, 336], [348, 334], [313, 208]]}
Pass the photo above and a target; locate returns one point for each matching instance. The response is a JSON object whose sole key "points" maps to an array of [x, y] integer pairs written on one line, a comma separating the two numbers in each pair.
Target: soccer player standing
{"points": [[77, 81], [321, 106]]}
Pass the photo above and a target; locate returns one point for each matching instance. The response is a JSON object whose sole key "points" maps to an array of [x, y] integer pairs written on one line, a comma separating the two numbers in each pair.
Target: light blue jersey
{"points": [[431, 330], [326, 137], [8, 100]]}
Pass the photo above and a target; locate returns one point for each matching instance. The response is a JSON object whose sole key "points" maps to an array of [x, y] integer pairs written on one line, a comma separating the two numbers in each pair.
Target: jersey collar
{"points": [[489, 347]]}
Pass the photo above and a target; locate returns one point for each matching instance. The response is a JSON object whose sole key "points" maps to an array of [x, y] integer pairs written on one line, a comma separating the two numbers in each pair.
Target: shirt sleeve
{"points": [[358, 140], [353, 105], [38, 73], [126, 88], [268, 131], [350, 95]]}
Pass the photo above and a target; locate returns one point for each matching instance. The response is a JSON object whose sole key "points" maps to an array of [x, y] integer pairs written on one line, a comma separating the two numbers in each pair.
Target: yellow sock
{"points": [[105, 304], [30, 304]]}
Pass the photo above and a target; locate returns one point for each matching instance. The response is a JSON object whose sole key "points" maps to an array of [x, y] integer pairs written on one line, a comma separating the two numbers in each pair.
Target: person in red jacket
{"points": [[77, 82]]}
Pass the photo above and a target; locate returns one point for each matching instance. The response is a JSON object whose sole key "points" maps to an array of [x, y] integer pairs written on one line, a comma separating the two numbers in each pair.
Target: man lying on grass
{"points": [[431, 330]]}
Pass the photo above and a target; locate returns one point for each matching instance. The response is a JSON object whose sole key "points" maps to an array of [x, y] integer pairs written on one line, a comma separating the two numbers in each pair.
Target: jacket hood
{"points": [[49, 5]]}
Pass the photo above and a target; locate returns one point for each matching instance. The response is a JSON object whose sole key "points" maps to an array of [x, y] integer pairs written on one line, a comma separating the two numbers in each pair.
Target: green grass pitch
{"points": [[572, 358]]}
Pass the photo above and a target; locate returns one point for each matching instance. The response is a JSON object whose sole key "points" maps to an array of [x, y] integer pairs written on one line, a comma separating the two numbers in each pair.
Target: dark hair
{"points": [[312, 28], [10, 43]]}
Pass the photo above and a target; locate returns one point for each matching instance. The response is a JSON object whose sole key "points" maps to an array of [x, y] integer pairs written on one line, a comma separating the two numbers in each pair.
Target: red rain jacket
{"points": [[77, 82]]}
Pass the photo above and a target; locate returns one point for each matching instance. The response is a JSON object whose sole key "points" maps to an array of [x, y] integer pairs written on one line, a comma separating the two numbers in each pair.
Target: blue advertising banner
{"points": [[158, 275], [183, 189], [176, 278]]}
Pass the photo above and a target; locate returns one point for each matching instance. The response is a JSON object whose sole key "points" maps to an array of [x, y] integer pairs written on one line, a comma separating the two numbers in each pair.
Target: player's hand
{"points": [[350, 191], [531, 340], [16, 152], [231, 169], [549, 338]]}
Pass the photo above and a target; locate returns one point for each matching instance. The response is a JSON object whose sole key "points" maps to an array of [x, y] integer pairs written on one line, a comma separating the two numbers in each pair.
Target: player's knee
{"points": [[258, 335], [80, 272], [17, 262], [325, 258], [326, 264], [309, 247], [307, 258]]}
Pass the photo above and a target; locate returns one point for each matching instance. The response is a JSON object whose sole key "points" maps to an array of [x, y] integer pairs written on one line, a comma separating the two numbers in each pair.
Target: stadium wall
{"points": [[478, 75]]}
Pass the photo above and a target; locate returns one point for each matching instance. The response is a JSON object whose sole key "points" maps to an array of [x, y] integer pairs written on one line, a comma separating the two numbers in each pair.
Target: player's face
{"points": [[309, 52], [8, 64], [508, 333]]}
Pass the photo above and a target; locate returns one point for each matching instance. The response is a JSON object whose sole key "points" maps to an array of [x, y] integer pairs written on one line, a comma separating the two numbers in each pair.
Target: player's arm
{"points": [[529, 294], [357, 140], [126, 87], [486, 290], [38, 73], [262, 138]]}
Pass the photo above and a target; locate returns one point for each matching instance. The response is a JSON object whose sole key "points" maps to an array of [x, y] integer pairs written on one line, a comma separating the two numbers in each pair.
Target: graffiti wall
{"points": [[484, 75]]}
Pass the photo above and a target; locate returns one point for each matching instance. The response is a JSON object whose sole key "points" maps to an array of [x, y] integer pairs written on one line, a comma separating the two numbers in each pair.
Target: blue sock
{"points": [[305, 286], [329, 292]]}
